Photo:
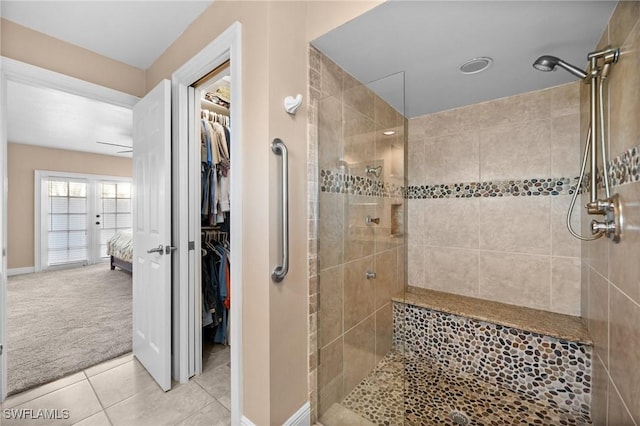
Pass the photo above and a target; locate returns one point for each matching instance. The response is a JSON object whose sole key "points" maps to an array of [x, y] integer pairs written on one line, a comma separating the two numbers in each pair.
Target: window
{"points": [[78, 214]]}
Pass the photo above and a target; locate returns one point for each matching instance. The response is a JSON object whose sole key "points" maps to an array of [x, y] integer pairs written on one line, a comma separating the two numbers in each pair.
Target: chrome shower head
{"points": [[549, 63]]}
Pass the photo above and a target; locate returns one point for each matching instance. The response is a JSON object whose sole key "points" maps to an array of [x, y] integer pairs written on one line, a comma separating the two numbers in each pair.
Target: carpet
{"points": [[64, 321]]}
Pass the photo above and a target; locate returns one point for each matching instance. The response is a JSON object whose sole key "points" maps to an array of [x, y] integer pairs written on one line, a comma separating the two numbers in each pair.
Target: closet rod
{"points": [[217, 70]]}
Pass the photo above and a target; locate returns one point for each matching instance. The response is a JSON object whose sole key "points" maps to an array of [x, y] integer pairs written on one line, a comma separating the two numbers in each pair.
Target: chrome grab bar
{"points": [[279, 272]]}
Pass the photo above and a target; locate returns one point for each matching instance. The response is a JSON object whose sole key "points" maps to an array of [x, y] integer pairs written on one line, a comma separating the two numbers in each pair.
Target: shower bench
{"points": [[543, 355]]}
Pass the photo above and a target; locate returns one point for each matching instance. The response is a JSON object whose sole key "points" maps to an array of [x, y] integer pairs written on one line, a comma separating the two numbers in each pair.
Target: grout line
{"points": [[98, 398]]}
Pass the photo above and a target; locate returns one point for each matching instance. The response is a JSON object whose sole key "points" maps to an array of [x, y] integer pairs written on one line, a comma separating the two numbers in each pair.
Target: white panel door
{"points": [[152, 233]]}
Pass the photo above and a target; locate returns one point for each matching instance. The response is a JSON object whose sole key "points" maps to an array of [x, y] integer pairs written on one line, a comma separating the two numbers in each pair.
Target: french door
{"points": [[78, 214]]}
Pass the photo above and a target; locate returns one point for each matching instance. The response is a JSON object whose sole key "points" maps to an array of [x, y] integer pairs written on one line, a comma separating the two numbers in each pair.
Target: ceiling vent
{"points": [[476, 65]]}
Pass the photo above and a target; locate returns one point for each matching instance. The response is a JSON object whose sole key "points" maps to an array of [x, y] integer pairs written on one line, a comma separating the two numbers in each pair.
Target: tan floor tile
{"points": [[155, 407], [216, 358], [121, 382], [42, 390], [98, 419], [214, 414], [78, 398], [97, 369], [217, 382]]}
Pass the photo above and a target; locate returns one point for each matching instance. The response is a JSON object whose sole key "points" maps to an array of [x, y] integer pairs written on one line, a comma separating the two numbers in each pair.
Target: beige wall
{"points": [[611, 272], [512, 249], [354, 314], [22, 161], [275, 366], [35, 48]]}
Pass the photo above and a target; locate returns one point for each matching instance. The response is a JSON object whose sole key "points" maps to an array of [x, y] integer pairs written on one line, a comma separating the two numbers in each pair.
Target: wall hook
{"points": [[291, 104]]}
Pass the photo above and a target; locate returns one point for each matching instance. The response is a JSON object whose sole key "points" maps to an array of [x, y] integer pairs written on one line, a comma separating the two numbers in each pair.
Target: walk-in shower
{"points": [[599, 66]]}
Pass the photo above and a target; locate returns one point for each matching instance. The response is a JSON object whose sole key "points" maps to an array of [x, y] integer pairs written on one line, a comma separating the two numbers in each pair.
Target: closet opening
{"points": [[211, 218]]}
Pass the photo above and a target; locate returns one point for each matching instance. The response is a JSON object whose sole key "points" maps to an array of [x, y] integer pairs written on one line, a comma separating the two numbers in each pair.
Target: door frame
{"points": [[187, 315], [21, 72]]}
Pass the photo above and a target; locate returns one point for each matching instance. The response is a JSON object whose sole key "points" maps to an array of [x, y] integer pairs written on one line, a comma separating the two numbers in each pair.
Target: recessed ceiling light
{"points": [[389, 133], [476, 65]]}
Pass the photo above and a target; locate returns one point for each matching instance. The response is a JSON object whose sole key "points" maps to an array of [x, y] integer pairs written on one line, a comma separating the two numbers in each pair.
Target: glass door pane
{"points": [[361, 247], [113, 212], [66, 222]]}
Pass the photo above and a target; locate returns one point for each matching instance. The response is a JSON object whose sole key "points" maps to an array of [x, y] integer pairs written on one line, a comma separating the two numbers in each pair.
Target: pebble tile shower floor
{"points": [[408, 390]]}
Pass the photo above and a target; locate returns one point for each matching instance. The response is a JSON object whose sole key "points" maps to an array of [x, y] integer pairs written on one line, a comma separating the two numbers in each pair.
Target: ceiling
{"points": [[134, 32], [55, 119], [421, 45]]}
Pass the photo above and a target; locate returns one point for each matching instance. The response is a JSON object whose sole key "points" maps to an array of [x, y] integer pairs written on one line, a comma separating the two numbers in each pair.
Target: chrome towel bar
{"points": [[279, 272]]}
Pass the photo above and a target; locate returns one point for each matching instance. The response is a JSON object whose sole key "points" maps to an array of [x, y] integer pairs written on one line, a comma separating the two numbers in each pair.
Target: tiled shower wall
{"points": [[351, 316], [611, 272], [489, 189]]}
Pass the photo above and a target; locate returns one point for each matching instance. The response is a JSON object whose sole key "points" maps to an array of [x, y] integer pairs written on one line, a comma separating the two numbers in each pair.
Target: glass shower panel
{"points": [[361, 247]]}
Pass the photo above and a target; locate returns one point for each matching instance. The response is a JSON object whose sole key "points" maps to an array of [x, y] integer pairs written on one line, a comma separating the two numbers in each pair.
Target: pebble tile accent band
{"points": [[342, 183], [623, 169], [552, 371], [505, 188]]}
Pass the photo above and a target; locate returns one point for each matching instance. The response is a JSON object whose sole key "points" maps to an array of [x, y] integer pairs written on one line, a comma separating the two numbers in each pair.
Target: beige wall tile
{"points": [[452, 222], [624, 267], [562, 242], [452, 270], [535, 105], [624, 348], [384, 283], [401, 264], [415, 221], [584, 290], [452, 158], [416, 171], [330, 132], [565, 146], [624, 18], [516, 224], [332, 78], [415, 265], [495, 113], [598, 320], [330, 394], [359, 292], [565, 285], [359, 353], [331, 230], [330, 312], [618, 414], [434, 125], [598, 252], [516, 151], [516, 279], [330, 362], [565, 99], [359, 138], [624, 92], [358, 96], [384, 331], [359, 238], [599, 392]]}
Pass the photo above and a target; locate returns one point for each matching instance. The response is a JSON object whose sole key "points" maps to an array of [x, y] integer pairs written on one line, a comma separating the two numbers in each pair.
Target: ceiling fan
{"points": [[130, 148]]}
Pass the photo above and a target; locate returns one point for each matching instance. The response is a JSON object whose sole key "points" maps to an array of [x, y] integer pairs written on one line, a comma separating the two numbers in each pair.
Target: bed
{"points": [[120, 249]]}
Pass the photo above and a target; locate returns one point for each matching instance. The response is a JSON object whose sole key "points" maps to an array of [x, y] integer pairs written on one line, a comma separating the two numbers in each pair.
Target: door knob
{"points": [[169, 249], [159, 249]]}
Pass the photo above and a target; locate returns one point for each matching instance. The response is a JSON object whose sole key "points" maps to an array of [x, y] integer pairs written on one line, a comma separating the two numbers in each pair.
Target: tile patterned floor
{"points": [[412, 391], [121, 392]]}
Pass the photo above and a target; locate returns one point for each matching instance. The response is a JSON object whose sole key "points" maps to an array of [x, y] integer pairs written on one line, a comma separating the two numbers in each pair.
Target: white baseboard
{"points": [[246, 422], [21, 271], [302, 417]]}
